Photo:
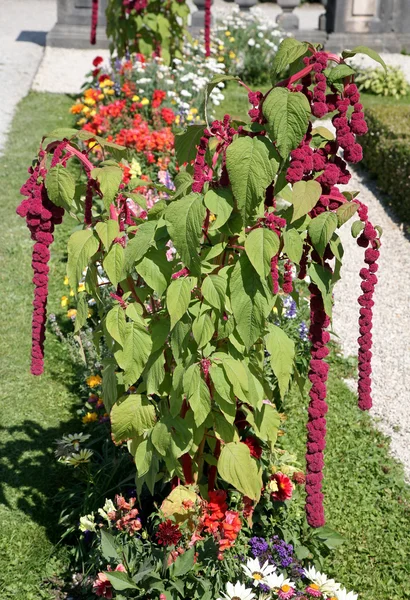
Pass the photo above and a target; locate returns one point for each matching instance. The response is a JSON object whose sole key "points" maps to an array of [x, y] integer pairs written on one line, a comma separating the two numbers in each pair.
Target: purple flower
{"points": [[258, 546], [303, 332]]}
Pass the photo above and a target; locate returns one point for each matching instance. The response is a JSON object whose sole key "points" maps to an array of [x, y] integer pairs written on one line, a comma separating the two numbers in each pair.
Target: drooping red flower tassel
{"points": [[368, 237], [317, 410], [41, 216], [287, 278], [94, 23], [208, 27], [201, 170]]}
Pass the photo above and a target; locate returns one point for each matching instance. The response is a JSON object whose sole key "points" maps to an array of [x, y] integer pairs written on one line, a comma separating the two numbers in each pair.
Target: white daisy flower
{"points": [[258, 573], [321, 581], [237, 592], [342, 594]]}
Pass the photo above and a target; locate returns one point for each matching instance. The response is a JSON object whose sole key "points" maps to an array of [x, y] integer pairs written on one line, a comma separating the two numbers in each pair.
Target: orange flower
{"points": [[76, 108]]}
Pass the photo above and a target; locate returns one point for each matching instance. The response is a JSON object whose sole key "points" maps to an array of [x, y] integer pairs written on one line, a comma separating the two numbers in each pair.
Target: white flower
{"points": [[177, 61], [87, 523], [325, 585], [258, 573], [108, 507], [237, 592], [186, 93], [251, 42], [342, 594]]}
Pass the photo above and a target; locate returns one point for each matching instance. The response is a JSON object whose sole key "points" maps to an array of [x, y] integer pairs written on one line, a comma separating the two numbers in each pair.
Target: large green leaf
{"points": [[346, 212], [292, 244], [321, 229], [197, 394], [282, 353], [289, 50], [185, 218], [250, 299], [136, 350], [238, 468], [203, 329], [220, 203], [120, 581], [116, 324], [305, 195], [186, 143], [214, 291], [114, 264], [287, 114], [131, 416], [81, 247], [252, 164], [155, 270], [261, 245], [107, 231], [323, 279], [339, 72], [60, 185], [139, 245], [178, 298], [109, 178], [367, 51]]}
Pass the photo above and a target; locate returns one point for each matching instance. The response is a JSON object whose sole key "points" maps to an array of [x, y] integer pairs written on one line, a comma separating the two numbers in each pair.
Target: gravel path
{"points": [[391, 321], [23, 25]]}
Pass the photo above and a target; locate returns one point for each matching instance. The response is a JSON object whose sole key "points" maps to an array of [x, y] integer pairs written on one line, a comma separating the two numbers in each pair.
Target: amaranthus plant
{"points": [[151, 27], [192, 281]]}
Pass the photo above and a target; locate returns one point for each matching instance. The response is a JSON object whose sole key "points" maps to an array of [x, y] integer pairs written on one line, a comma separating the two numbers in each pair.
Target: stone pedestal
{"points": [[246, 4], [287, 19], [72, 29], [198, 17]]}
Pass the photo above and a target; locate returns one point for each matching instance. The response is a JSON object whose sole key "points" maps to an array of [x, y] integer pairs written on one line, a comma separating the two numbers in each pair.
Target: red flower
{"points": [[157, 97], [231, 526], [102, 586], [168, 533], [299, 477], [285, 487], [254, 447], [168, 115], [97, 61]]}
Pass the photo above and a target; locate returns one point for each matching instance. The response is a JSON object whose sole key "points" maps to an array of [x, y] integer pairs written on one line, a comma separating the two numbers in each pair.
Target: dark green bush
{"points": [[386, 154]]}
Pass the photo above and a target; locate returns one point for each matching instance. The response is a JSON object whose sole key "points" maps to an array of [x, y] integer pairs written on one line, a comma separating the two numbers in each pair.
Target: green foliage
{"points": [[390, 82], [158, 27], [386, 154]]}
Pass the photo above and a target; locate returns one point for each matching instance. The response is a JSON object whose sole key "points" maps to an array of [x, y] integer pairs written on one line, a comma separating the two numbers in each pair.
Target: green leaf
{"points": [[250, 299], [261, 246], [346, 212], [323, 279], [357, 227], [238, 377], [114, 264], [139, 245], [155, 270], [292, 245], [368, 52], [321, 229], [339, 72], [287, 114], [185, 218], [186, 143], [183, 563], [203, 329], [107, 231], [81, 247], [221, 384], [131, 416], [60, 185], [108, 548], [266, 422], [197, 394], [137, 348], [109, 179], [109, 385], [305, 195], [116, 324], [220, 203], [214, 291], [238, 468], [252, 165], [289, 50], [282, 353], [120, 581], [82, 312], [183, 182], [178, 298]]}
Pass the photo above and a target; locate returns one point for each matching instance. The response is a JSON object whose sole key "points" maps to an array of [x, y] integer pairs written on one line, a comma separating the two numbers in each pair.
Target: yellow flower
{"points": [[101, 97], [93, 380], [135, 98], [144, 101], [228, 33], [194, 111], [72, 293], [189, 117], [275, 310], [66, 280], [232, 54], [64, 301], [71, 313], [110, 92], [81, 287], [89, 101], [232, 39], [135, 170], [212, 218], [86, 110], [220, 58], [106, 83], [221, 46], [90, 313], [82, 121], [93, 112], [90, 417], [177, 119]]}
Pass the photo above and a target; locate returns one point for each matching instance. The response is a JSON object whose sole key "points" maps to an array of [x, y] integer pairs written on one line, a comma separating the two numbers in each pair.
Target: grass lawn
{"points": [[366, 498], [34, 411]]}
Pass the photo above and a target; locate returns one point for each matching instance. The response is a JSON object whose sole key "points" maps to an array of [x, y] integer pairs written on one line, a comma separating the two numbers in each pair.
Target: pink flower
{"points": [[102, 586]]}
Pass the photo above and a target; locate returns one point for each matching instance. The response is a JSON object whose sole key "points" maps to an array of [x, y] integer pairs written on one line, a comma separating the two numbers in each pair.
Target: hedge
{"points": [[386, 154]]}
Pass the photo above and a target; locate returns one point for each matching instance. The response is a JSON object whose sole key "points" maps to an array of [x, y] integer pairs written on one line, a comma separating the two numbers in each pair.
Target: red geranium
{"points": [[168, 533], [285, 487], [254, 447]]}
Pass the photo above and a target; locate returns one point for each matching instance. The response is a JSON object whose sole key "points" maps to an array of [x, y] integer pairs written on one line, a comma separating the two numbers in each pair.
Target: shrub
{"points": [[386, 154], [391, 82]]}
